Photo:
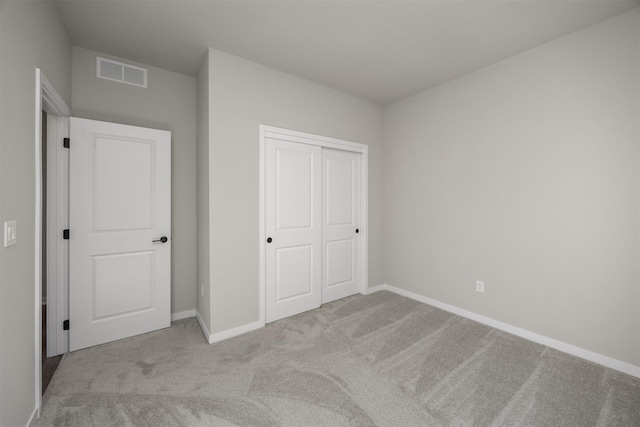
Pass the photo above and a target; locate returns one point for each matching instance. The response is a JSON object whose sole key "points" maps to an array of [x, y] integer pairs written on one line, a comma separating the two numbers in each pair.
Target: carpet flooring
{"points": [[375, 360]]}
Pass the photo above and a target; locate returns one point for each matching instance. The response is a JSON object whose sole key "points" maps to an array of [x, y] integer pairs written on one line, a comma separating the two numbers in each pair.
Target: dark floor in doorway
{"points": [[49, 364]]}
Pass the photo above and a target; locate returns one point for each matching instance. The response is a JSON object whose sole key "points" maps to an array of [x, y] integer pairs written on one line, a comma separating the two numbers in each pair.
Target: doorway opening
{"points": [[49, 101]]}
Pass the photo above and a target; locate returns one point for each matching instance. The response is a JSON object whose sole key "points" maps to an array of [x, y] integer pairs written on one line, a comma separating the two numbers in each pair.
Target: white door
{"points": [[293, 226], [340, 224], [120, 230]]}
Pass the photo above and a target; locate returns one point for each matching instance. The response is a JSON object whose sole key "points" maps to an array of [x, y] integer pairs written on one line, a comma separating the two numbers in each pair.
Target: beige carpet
{"points": [[376, 360]]}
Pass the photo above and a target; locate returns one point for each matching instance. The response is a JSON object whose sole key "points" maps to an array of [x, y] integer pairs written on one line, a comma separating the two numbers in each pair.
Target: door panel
{"points": [[293, 191], [129, 274], [117, 210], [293, 222], [294, 272], [340, 262], [120, 200], [341, 217]]}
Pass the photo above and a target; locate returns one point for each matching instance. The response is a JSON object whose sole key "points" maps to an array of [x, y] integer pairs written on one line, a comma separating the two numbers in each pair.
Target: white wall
{"points": [[525, 174], [31, 36], [168, 103], [243, 95]]}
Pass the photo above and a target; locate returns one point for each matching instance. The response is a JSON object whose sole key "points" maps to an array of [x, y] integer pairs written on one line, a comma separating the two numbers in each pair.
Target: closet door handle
{"points": [[163, 239], [269, 240], [357, 230]]}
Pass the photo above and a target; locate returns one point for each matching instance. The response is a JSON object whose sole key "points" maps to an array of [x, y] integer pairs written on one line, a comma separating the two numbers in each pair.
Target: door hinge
{"points": [[65, 325], [65, 234], [66, 142]]}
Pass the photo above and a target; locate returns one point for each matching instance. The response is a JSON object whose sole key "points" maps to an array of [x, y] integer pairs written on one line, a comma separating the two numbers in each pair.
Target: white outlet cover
{"points": [[10, 233], [480, 286]]}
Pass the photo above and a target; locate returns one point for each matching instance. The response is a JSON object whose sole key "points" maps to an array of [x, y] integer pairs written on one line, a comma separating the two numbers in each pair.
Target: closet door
{"points": [[294, 228], [340, 223]]}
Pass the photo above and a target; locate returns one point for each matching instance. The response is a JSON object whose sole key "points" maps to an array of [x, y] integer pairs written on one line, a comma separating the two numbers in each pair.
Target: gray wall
{"points": [[203, 213], [243, 95], [31, 36], [525, 174], [1, 140], [168, 103]]}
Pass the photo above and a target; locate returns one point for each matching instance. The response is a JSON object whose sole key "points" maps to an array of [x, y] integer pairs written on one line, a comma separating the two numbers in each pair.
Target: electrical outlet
{"points": [[10, 233], [480, 286]]}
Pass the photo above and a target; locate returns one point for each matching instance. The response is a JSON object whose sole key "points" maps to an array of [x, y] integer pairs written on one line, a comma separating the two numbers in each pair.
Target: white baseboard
{"points": [[183, 315], [230, 333], [582, 353], [204, 328], [375, 289], [33, 418]]}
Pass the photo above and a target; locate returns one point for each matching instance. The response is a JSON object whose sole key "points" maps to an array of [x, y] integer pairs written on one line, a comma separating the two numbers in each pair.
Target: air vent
{"points": [[121, 72]]}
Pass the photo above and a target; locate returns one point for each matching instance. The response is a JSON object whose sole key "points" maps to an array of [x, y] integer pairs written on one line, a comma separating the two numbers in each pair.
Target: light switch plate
{"points": [[10, 233]]}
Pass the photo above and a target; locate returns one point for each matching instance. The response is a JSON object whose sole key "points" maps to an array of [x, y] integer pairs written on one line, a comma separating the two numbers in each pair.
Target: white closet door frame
{"points": [[320, 141]]}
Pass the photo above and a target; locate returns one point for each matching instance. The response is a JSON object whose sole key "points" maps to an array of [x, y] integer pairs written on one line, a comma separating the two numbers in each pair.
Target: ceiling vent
{"points": [[121, 72]]}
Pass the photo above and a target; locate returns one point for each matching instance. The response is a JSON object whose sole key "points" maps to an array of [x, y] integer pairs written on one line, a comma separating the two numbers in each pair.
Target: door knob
{"points": [[163, 239], [357, 230], [269, 240]]}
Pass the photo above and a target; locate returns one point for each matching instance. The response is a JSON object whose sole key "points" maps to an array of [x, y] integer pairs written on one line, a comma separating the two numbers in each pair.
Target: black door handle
{"points": [[269, 240], [163, 239], [357, 230]]}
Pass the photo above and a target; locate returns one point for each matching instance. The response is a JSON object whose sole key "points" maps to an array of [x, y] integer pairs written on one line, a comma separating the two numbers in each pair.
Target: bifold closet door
{"points": [[340, 223], [294, 228]]}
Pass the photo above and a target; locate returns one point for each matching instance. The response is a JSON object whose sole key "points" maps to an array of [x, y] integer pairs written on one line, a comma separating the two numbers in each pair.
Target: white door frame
{"points": [[320, 141], [57, 250], [47, 99]]}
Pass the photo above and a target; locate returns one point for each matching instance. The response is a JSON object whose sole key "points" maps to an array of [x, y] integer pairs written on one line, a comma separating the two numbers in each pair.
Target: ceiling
{"points": [[378, 50]]}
